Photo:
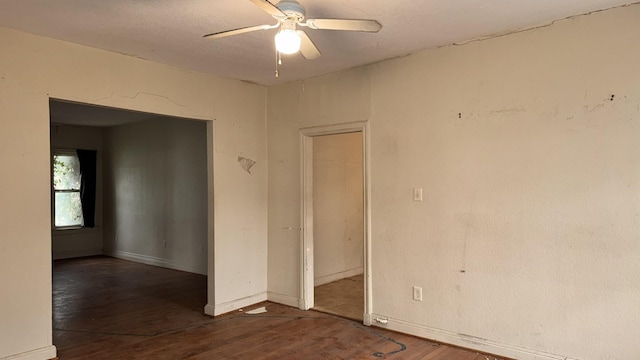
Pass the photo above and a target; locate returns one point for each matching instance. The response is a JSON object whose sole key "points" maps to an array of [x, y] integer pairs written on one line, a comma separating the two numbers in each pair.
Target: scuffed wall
{"points": [[526, 146]]}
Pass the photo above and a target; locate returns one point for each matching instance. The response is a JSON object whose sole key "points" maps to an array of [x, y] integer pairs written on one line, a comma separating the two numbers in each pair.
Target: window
{"points": [[67, 207]]}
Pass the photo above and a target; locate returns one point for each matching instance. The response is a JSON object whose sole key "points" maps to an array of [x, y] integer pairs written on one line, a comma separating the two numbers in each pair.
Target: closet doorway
{"points": [[335, 214]]}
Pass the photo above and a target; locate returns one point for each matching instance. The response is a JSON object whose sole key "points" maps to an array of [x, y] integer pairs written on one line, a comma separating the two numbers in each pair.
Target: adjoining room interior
{"points": [[149, 203], [338, 224], [152, 174]]}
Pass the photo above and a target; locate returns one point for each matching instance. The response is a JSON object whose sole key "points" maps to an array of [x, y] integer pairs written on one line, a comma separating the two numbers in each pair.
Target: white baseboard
{"points": [[283, 299], [67, 254], [367, 319], [461, 340], [44, 353], [233, 305], [321, 280], [155, 261], [210, 310]]}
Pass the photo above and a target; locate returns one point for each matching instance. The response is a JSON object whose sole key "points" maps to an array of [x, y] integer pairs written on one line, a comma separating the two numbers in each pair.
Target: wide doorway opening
{"points": [[149, 205]]}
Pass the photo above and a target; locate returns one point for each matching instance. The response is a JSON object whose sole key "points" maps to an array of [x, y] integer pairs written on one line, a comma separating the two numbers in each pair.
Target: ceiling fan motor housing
{"points": [[292, 8]]}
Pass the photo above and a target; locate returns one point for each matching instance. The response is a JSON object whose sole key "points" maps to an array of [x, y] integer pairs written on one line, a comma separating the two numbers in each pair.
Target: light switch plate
{"points": [[417, 293], [417, 194]]}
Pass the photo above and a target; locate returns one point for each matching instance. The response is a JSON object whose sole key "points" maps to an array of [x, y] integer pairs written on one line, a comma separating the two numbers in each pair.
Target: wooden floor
{"points": [[343, 298], [106, 308]]}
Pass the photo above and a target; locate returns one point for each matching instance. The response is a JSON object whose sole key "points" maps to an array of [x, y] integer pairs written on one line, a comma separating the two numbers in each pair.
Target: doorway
{"points": [[154, 200], [151, 173], [335, 218]]}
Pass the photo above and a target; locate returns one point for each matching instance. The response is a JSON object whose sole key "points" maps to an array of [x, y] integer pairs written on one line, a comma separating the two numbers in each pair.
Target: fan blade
{"points": [[307, 47], [243, 30], [269, 8], [344, 24]]}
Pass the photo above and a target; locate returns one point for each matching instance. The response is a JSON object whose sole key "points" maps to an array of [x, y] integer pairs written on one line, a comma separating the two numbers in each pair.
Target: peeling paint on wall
{"points": [[507, 110], [246, 164]]}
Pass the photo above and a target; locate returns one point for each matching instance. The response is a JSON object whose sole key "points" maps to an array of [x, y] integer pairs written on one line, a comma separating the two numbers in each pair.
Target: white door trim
{"points": [[306, 211]]}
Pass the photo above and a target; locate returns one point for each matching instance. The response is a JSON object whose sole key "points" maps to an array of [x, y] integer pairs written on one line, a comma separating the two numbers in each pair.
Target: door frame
{"points": [[306, 211]]}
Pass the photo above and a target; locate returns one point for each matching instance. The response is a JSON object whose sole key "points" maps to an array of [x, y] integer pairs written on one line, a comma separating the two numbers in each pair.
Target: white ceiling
{"points": [[170, 31]]}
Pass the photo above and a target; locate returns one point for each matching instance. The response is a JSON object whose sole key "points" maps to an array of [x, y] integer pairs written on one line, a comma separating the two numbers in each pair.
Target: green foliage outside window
{"points": [[66, 186]]}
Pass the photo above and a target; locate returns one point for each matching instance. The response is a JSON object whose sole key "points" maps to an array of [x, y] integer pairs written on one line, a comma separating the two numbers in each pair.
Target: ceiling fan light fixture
{"points": [[287, 41]]}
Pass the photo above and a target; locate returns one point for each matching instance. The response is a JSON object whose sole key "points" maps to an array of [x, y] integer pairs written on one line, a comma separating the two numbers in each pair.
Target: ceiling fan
{"points": [[291, 14]]}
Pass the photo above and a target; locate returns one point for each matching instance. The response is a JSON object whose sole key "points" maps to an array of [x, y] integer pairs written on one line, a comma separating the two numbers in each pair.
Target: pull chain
{"points": [[278, 62]]}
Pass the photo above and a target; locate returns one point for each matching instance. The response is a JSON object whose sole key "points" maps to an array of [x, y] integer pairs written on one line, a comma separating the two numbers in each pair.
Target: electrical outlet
{"points": [[417, 293]]}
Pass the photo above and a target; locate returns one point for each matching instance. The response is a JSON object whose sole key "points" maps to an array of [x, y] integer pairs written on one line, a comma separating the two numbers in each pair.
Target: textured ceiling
{"points": [[170, 31]]}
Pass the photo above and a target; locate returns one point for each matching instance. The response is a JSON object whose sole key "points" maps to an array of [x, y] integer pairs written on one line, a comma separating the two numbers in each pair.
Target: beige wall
{"points": [[33, 69], [155, 193], [86, 241], [526, 243], [347, 99], [338, 223]]}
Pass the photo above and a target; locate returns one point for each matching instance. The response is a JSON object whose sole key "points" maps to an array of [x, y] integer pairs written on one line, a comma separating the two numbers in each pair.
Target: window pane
{"points": [[66, 172], [68, 209]]}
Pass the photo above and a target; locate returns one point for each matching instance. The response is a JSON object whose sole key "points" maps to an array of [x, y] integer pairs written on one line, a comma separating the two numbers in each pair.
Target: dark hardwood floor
{"points": [[344, 298], [106, 308]]}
